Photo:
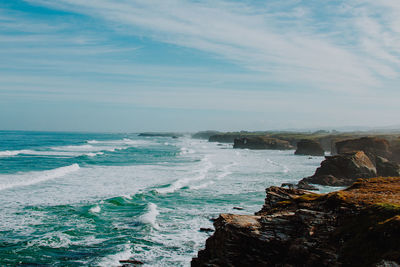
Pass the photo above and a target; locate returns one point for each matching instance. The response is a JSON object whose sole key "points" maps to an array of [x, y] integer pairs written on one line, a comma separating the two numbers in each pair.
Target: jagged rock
{"points": [[343, 169], [386, 168], [372, 146], [305, 186], [207, 230], [131, 262], [261, 142], [309, 147], [359, 226]]}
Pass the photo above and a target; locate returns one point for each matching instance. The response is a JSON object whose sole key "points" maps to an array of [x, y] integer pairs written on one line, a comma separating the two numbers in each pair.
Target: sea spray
{"points": [[95, 209], [150, 217]]}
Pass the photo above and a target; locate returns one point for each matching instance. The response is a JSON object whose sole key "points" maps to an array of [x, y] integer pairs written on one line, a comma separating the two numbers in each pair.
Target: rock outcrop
{"points": [[261, 142], [172, 135], [372, 146], [309, 147], [386, 168], [343, 169], [359, 226]]}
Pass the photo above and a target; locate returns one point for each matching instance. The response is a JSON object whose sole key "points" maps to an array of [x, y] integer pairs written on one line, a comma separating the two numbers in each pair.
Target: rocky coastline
{"points": [[357, 226]]}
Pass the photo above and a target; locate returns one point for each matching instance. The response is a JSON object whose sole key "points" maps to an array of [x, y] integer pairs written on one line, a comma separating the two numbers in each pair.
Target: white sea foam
{"points": [[10, 153], [71, 152], [185, 151], [113, 260], [95, 209], [93, 154], [201, 186], [31, 178], [150, 217], [180, 183], [124, 141], [75, 148], [52, 240]]}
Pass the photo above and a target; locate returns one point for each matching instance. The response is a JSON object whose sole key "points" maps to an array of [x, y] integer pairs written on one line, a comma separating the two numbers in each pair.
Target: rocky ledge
{"points": [[358, 226]]}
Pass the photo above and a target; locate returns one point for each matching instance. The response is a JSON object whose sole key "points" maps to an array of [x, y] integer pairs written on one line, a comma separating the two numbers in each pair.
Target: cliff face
{"points": [[309, 147], [261, 142], [359, 226]]}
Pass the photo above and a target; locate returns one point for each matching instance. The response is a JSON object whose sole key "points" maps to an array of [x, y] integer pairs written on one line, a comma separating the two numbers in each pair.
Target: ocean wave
{"points": [[62, 240], [113, 260], [10, 153], [183, 182], [32, 178], [185, 151], [52, 240], [150, 217], [201, 186], [95, 209], [124, 141], [75, 148], [93, 154], [284, 168]]}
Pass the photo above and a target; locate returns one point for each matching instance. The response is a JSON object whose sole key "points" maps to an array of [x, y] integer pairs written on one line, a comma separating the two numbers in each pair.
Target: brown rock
{"points": [[359, 226], [386, 168], [343, 169], [309, 147], [372, 146], [261, 142]]}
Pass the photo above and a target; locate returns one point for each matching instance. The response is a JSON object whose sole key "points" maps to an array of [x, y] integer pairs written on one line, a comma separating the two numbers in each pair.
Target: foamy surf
{"points": [[113, 260], [150, 217], [183, 182], [10, 153], [95, 209], [201, 186], [31, 178]]}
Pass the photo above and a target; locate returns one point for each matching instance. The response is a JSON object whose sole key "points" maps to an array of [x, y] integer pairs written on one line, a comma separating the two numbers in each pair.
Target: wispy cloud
{"points": [[250, 56], [285, 45]]}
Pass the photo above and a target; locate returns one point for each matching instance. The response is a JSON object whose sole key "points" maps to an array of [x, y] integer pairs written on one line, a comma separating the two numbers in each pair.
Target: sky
{"points": [[180, 65]]}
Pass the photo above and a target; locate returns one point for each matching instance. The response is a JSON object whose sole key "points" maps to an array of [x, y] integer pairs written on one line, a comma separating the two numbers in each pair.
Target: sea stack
{"points": [[309, 147]]}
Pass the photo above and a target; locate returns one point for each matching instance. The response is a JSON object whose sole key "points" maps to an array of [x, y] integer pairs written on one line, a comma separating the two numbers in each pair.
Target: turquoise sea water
{"points": [[84, 199]]}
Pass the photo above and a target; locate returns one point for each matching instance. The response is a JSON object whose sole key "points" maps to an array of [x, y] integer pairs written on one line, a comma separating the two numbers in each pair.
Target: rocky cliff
{"points": [[364, 157], [309, 147], [359, 226], [261, 142]]}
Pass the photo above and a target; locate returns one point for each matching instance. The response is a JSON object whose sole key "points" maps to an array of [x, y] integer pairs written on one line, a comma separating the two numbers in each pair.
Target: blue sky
{"points": [[153, 65]]}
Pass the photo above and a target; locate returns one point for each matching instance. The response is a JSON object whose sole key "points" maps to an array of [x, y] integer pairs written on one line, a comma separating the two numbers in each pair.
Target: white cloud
{"points": [[285, 45]]}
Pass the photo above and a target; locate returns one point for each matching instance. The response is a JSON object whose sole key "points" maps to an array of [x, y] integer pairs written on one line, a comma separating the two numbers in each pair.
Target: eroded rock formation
{"points": [[261, 142], [359, 226], [343, 169], [309, 147]]}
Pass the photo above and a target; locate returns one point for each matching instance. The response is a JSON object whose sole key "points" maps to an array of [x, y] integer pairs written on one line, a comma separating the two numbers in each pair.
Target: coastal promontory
{"points": [[358, 226]]}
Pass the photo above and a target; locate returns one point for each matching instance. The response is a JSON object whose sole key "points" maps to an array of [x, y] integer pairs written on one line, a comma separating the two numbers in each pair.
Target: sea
{"points": [[93, 199]]}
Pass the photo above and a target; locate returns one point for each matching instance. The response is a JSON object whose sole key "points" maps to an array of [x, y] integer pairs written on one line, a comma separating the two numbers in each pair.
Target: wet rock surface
{"points": [[359, 226]]}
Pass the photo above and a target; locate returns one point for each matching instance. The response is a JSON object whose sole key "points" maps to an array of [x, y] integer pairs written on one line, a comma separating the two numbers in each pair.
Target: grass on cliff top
{"points": [[376, 191]]}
